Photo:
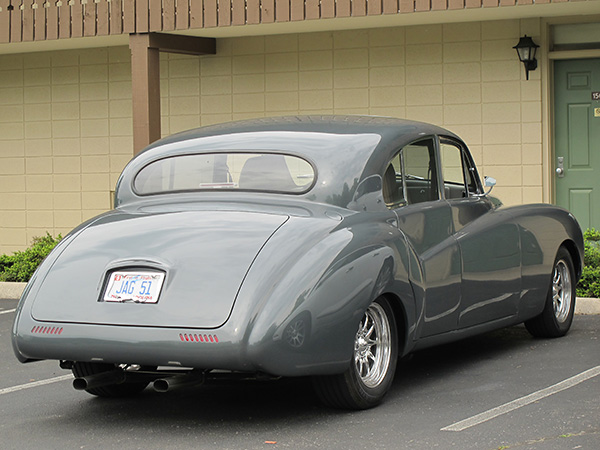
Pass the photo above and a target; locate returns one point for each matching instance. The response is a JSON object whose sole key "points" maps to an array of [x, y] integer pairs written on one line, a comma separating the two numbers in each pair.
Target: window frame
{"points": [[433, 156], [469, 169], [256, 152]]}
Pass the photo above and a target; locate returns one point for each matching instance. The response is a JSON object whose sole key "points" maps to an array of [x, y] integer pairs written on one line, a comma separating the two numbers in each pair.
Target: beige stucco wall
{"points": [[65, 117]]}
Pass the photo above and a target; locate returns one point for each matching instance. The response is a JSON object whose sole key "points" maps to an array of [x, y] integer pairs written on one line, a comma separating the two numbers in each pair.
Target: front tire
{"points": [[373, 365], [557, 316], [127, 389]]}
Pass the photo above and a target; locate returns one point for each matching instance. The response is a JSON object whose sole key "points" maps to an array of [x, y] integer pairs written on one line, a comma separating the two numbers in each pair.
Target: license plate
{"points": [[135, 287]]}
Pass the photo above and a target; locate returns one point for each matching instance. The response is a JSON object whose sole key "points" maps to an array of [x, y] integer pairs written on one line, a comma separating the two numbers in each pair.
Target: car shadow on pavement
{"points": [[258, 403], [445, 360]]}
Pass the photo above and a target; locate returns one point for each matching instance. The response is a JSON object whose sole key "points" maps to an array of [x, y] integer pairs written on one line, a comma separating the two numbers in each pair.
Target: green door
{"points": [[577, 138]]}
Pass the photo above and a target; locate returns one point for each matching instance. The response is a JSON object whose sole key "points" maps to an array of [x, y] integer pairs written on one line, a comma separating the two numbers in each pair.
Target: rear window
{"points": [[266, 172]]}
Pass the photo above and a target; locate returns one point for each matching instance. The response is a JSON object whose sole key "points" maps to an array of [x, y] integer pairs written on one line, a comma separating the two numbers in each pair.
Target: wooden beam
{"points": [[76, 18], [4, 21], [103, 18], [63, 20], [196, 14], [176, 43], [15, 23], [145, 91], [129, 16], [145, 78], [39, 13], [116, 20], [28, 24]]}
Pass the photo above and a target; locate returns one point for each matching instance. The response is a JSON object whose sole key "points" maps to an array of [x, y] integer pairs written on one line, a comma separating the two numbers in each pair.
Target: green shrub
{"points": [[589, 284], [20, 265]]}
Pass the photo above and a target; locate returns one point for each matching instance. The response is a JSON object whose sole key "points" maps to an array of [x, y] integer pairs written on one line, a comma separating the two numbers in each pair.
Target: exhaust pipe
{"points": [[177, 381], [99, 380]]}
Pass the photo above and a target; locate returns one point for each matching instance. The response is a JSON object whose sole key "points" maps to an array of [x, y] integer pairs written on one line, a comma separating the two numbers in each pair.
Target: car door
{"points": [[411, 188], [488, 239]]}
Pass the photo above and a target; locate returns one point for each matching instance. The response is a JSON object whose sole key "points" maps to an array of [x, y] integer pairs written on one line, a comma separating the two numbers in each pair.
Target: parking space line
{"points": [[523, 401], [8, 311], [34, 384]]}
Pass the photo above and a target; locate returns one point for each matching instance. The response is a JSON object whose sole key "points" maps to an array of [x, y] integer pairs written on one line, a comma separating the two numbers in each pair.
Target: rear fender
{"points": [[543, 230], [309, 317]]}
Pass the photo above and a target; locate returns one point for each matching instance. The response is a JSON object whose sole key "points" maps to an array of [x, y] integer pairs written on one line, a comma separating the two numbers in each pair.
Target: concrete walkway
{"points": [[585, 306]]}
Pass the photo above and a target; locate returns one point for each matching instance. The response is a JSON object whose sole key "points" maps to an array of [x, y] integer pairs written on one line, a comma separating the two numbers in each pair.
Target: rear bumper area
{"points": [[205, 349], [221, 349]]}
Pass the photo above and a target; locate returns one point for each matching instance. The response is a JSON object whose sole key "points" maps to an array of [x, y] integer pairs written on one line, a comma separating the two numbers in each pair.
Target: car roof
{"points": [[343, 149], [387, 127]]}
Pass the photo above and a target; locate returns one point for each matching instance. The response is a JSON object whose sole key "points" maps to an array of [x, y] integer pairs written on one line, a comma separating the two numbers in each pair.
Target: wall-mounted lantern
{"points": [[526, 49]]}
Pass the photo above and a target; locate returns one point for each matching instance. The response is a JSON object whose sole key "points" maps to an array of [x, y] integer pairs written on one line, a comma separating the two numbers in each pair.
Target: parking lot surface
{"points": [[498, 391]]}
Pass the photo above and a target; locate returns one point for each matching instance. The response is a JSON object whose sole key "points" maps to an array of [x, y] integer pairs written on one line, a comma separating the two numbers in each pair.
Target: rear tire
{"points": [[373, 365], [557, 316], [83, 369]]}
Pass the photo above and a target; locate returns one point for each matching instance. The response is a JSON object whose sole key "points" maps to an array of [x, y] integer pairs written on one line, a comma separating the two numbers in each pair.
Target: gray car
{"points": [[326, 247]]}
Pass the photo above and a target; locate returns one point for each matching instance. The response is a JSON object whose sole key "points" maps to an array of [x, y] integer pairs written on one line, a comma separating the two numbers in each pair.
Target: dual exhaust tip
{"points": [[119, 376]]}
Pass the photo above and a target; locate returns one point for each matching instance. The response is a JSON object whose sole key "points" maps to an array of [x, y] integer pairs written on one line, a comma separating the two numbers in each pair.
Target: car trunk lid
{"points": [[204, 256]]}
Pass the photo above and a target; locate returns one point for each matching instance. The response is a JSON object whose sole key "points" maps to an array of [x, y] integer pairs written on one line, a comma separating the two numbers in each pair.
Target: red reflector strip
{"points": [[205, 338], [46, 330]]}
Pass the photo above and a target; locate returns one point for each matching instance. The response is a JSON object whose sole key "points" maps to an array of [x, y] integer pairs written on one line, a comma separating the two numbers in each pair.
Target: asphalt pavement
{"points": [[501, 390]]}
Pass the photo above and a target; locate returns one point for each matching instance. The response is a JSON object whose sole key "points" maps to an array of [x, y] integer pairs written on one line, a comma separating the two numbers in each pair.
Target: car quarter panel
{"points": [[543, 229], [309, 319]]}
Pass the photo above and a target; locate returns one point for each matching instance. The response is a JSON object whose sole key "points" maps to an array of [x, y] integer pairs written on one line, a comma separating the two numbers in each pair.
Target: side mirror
{"points": [[489, 182]]}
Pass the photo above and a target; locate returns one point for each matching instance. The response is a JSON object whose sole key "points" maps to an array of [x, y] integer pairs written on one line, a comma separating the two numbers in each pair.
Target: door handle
{"points": [[560, 169]]}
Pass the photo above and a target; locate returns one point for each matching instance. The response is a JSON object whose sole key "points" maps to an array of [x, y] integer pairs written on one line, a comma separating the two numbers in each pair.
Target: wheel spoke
{"points": [[370, 331], [370, 356]]}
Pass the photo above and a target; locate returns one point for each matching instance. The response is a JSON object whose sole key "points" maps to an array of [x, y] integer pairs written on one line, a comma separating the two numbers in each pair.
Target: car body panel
{"points": [[187, 246], [491, 268], [278, 282]]}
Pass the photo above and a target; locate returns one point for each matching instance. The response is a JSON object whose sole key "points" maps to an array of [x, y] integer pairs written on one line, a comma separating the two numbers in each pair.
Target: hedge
{"points": [[589, 284], [20, 265]]}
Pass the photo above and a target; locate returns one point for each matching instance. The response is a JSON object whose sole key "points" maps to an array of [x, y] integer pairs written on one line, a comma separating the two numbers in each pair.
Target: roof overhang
{"points": [[547, 10]]}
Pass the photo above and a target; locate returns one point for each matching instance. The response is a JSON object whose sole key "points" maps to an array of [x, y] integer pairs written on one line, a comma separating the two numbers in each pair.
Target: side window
{"points": [[420, 172], [393, 190], [459, 177], [411, 176]]}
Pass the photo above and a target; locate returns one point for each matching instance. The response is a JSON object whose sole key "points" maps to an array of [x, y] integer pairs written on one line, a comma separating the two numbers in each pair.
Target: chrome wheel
{"points": [[561, 291], [373, 365], [372, 346], [556, 318]]}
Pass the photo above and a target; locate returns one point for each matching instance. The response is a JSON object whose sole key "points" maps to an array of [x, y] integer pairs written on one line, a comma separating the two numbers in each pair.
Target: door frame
{"points": [[547, 75]]}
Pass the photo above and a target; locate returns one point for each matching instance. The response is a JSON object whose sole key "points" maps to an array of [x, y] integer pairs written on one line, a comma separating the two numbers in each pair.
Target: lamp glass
{"points": [[526, 49]]}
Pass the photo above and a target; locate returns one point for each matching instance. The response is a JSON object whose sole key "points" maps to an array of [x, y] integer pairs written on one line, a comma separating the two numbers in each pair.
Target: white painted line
{"points": [[34, 384], [7, 311], [523, 401]]}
